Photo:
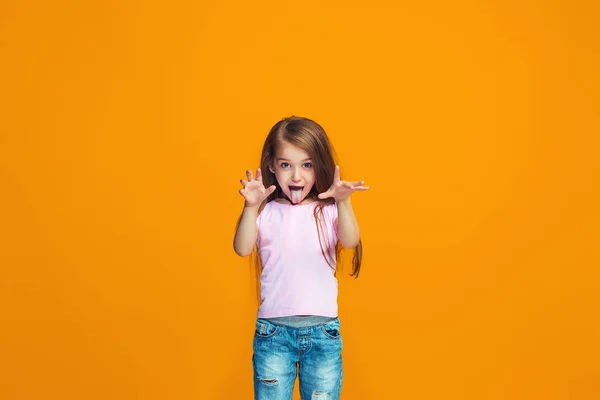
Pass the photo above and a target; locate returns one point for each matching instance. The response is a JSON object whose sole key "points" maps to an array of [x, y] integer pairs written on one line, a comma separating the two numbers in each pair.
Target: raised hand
{"points": [[341, 190], [254, 192]]}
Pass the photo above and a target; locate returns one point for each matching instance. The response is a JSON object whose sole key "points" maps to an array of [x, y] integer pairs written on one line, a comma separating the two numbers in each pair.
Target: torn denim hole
{"points": [[319, 395], [268, 381]]}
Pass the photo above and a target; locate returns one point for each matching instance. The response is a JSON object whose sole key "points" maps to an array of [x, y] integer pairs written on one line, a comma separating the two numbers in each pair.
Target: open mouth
{"points": [[296, 193]]}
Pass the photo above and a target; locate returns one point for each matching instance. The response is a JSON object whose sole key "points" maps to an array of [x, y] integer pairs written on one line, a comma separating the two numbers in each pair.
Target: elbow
{"points": [[350, 243], [242, 246], [349, 237], [242, 252]]}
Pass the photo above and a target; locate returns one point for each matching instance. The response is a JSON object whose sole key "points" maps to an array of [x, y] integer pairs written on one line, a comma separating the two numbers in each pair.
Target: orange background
{"points": [[126, 126]]}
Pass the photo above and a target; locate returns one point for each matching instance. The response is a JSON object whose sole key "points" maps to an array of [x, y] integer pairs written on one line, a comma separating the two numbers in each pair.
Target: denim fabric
{"points": [[312, 353], [300, 321]]}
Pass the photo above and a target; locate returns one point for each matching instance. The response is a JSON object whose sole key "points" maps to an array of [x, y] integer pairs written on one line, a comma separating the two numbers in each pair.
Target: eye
{"points": [[284, 165], [308, 165]]}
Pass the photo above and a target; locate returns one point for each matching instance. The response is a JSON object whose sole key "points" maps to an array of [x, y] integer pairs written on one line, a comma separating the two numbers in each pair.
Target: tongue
{"points": [[296, 195]]}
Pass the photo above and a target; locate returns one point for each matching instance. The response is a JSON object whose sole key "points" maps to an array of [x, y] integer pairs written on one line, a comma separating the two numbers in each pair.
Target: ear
{"points": [[272, 170]]}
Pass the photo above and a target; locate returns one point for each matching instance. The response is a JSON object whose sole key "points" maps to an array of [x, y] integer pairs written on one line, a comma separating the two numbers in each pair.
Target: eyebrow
{"points": [[285, 159]]}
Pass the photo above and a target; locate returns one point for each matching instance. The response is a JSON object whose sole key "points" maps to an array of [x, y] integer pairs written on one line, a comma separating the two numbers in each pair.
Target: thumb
{"points": [[323, 195], [271, 189]]}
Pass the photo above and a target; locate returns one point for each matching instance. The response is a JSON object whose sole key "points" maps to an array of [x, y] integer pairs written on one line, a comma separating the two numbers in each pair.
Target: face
{"points": [[294, 172]]}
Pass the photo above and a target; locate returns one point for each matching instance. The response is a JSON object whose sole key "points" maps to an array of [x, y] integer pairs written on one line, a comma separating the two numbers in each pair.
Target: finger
{"points": [[336, 173], [258, 175], [271, 189], [356, 183], [243, 182], [249, 175], [324, 195], [242, 192]]}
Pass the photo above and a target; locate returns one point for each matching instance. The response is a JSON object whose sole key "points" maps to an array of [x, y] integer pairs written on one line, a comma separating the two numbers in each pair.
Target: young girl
{"points": [[297, 213]]}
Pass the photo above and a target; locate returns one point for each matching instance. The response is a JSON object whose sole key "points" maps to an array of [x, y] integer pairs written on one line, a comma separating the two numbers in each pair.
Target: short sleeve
{"points": [[259, 219], [332, 211]]}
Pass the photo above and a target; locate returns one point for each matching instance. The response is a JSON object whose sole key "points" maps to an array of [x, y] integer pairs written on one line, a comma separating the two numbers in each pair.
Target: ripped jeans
{"points": [[313, 354]]}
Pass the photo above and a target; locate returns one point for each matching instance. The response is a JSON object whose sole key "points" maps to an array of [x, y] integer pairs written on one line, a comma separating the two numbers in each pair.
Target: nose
{"points": [[296, 175]]}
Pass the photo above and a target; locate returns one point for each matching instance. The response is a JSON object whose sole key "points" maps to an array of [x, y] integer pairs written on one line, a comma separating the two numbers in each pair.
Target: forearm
{"points": [[348, 231], [246, 233]]}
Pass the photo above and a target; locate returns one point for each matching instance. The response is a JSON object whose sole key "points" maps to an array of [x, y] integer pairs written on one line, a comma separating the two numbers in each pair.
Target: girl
{"points": [[297, 215]]}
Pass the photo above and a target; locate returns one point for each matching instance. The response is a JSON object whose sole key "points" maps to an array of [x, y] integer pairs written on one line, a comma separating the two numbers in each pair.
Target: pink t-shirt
{"points": [[296, 279]]}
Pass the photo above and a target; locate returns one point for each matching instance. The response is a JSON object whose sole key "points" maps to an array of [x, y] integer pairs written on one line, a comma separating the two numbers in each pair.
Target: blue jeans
{"points": [[313, 354]]}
